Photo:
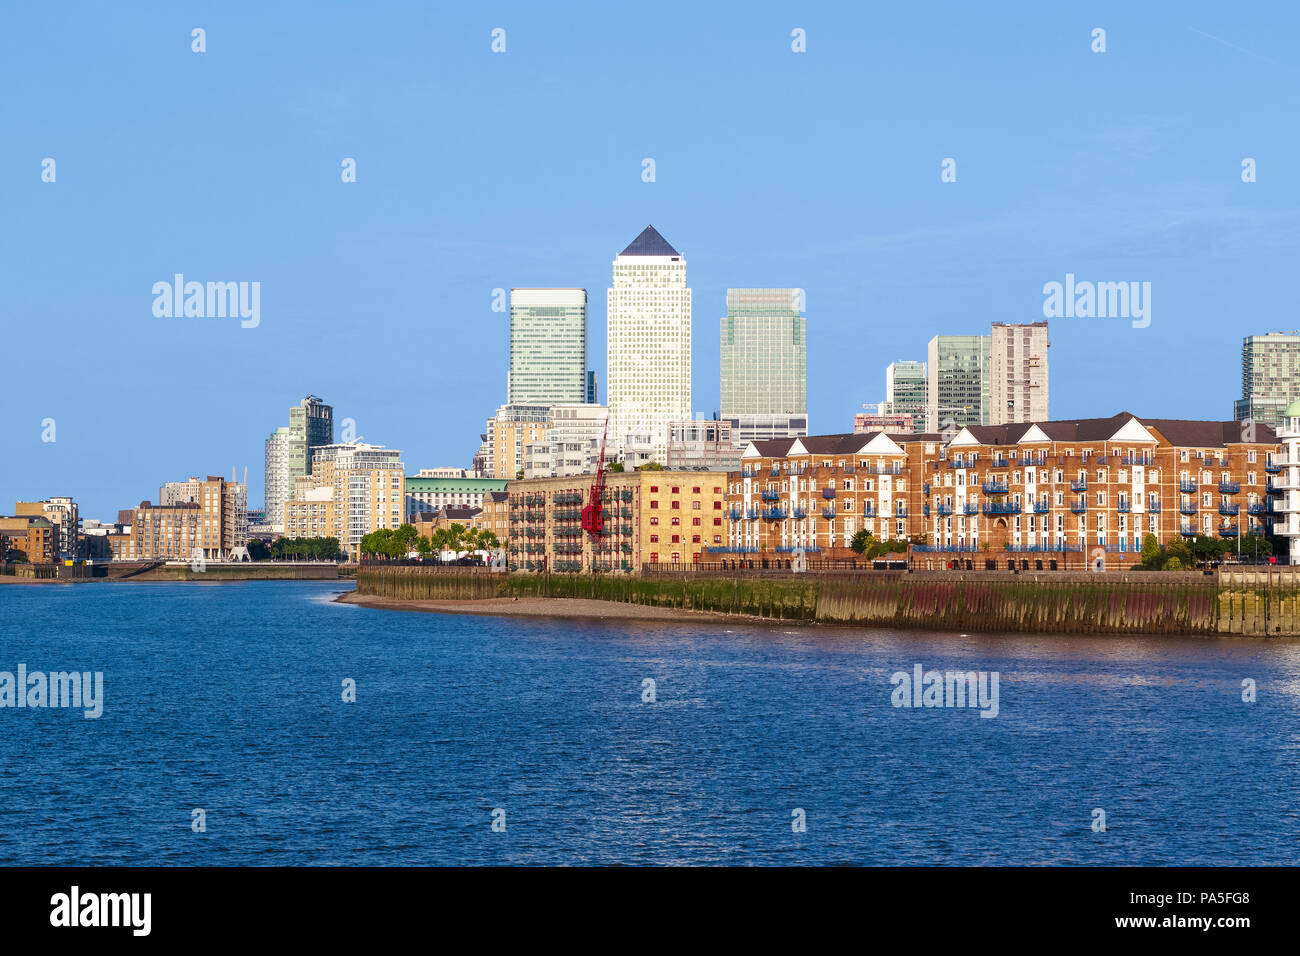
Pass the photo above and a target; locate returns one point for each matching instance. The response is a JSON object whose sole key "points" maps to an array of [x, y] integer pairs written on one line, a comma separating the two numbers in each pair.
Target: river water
{"points": [[761, 745]]}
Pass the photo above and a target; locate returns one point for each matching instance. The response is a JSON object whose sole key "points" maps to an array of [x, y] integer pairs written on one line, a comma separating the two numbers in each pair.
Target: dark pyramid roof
{"points": [[649, 243]]}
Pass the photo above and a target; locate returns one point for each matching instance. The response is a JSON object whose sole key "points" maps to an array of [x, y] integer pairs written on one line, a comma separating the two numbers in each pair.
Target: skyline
{"points": [[224, 166]]}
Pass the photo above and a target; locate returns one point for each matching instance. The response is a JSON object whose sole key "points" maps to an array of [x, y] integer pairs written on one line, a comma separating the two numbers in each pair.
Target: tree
{"points": [[422, 546], [1173, 564], [1151, 554], [1178, 551], [615, 467], [258, 549], [650, 466], [404, 539], [861, 541]]}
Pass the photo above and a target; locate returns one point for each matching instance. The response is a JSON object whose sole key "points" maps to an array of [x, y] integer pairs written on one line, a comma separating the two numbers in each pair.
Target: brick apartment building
{"points": [[651, 517], [1050, 487]]}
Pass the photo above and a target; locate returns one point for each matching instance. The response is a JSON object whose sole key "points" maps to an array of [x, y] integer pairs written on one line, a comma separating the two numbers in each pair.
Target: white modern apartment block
{"points": [[1018, 374], [548, 346], [571, 445], [648, 372], [1287, 481]]}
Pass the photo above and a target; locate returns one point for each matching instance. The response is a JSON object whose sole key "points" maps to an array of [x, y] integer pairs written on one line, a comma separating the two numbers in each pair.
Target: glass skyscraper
{"points": [[764, 364], [957, 386], [548, 347]]}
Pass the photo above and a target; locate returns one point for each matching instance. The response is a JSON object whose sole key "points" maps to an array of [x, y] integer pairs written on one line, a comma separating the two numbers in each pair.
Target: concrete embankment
{"points": [[1230, 602]]}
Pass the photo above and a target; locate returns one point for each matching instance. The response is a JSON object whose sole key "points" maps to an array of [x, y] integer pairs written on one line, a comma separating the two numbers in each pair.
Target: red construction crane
{"points": [[593, 518]]}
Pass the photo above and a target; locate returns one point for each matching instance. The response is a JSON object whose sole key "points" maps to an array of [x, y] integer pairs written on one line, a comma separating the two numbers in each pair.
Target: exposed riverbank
{"points": [[587, 608]]}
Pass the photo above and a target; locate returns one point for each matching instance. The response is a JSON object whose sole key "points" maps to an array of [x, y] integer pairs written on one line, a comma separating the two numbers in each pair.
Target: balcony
{"points": [[1187, 508], [1136, 460], [1124, 507], [1226, 509], [828, 512], [1000, 462], [994, 488], [1032, 459], [1272, 467], [752, 514], [1002, 509], [900, 511], [925, 510], [828, 492], [800, 513], [1079, 507], [925, 490], [1079, 484], [771, 496], [1229, 487], [1153, 507], [1188, 530], [943, 510], [1228, 531], [1041, 507], [1256, 508], [1187, 487], [970, 509], [868, 510], [735, 514], [775, 514]]}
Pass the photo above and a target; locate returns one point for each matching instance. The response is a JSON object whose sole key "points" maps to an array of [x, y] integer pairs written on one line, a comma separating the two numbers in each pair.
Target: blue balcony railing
{"points": [[970, 509], [771, 496], [943, 510], [1002, 509], [1229, 509], [1079, 507], [1124, 507], [1079, 484], [828, 492], [1187, 509], [1229, 487], [1041, 507], [995, 488], [800, 513], [1187, 487], [828, 512]]}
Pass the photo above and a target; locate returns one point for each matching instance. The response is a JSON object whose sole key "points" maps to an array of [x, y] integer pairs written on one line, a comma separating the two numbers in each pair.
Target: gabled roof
{"points": [[649, 243], [1123, 427]]}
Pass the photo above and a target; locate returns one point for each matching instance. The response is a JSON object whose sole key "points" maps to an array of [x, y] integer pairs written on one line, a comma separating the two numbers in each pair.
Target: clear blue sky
{"points": [[478, 170]]}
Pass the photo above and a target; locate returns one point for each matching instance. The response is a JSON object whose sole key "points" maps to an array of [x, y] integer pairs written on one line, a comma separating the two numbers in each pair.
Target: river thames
{"points": [[224, 712]]}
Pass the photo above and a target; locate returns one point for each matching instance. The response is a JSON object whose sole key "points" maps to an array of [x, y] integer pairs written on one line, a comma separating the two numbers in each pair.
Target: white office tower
{"points": [[1287, 481], [648, 375]]}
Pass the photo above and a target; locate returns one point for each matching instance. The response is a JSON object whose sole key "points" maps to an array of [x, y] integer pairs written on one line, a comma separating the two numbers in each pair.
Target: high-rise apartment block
{"points": [[289, 452], [648, 341], [1018, 373], [1270, 377], [353, 489], [548, 347], [764, 364]]}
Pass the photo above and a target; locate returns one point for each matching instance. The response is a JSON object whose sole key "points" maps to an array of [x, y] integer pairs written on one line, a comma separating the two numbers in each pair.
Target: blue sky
{"points": [[477, 170]]}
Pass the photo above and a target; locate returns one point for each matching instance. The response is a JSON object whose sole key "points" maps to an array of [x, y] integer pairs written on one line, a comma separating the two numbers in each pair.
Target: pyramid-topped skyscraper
{"points": [[648, 376]]}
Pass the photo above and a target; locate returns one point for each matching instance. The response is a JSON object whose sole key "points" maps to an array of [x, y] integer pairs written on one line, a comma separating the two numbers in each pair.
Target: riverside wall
{"points": [[1254, 603]]}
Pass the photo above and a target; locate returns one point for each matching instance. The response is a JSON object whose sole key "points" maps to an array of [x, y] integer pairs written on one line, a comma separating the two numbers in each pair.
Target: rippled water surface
{"points": [[228, 697]]}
